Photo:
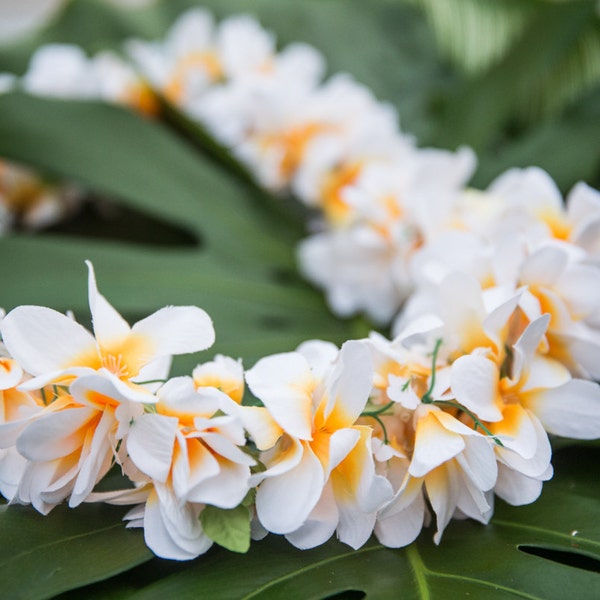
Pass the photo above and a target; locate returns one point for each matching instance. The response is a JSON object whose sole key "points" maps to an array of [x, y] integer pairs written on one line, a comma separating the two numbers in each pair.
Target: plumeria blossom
{"points": [[197, 55], [62, 71], [65, 71], [227, 375], [424, 449], [72, 442], [186, 453], [55, 349], [17, 409], [321, 469]]}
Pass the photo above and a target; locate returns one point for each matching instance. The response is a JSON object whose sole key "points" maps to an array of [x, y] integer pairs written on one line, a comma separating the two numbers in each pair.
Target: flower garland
{"points": [[494, 294]]}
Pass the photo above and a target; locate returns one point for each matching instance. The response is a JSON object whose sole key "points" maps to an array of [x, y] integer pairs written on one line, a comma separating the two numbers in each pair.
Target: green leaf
{"points": [[43, 556], [488, 102], [228, 528], [476, 33]]}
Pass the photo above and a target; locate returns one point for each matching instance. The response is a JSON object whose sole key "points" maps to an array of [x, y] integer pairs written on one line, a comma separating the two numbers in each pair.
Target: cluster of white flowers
{"points": [[377, 436], [495, 296]]}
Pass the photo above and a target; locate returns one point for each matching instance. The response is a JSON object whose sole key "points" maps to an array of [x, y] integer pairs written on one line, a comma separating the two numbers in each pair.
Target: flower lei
{"points": [[494, 296]]}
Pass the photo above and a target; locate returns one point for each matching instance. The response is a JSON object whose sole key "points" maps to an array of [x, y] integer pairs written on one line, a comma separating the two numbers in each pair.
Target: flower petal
{"points": [[177, 330], [57, 434], [285, 383], [571, 410], [474, 382], [42, 340], [434, 445], [150, 444], [298, 490], [320, 524], [109, 325]]}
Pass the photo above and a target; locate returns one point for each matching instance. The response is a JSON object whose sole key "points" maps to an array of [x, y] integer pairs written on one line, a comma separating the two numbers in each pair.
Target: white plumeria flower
{"points": [[423, 449], [528, 201], [184, 456], [321, 469], [60, 70], [196, 55], [17, 410], [227, 375], [229, 110], [561, 284], [290, 120], [72, 443], [460, 313], [54, 348], [184, 444], [360, 270]]}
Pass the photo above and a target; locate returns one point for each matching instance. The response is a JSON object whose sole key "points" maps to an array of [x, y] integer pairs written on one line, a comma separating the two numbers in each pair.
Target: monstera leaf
{"points": [[192, 231]]}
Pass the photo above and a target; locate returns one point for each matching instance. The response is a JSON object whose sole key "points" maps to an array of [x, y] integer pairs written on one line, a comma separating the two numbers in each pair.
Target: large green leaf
{"points": [[43, 556], [521, 78]]}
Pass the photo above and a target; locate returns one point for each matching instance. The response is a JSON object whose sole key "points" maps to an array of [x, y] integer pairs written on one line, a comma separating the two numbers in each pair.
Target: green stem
{"points": [[374, 413], [477, 422], [426, 399], [386, 440]]}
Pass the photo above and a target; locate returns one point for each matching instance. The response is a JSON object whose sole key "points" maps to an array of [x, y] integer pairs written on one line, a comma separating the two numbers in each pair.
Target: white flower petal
{"points": [[515, 488], [284, 383], [226, 489], [434, 445], [55, 435], [320, 524], [109, 325], [150, 444], [173, 531], [571, 410], [177, 330], [400, 528], [474, 382], [42, 340], [298, 490], [350, 384]]}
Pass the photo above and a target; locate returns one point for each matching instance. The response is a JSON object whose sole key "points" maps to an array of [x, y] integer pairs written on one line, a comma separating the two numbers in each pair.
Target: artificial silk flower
{"points": [[359, 269], [53, 348], [197, 55], [17, 410], [72, 442], [184, 454], [321, 469], [424, 449], [561, 283], [227, 375]]}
